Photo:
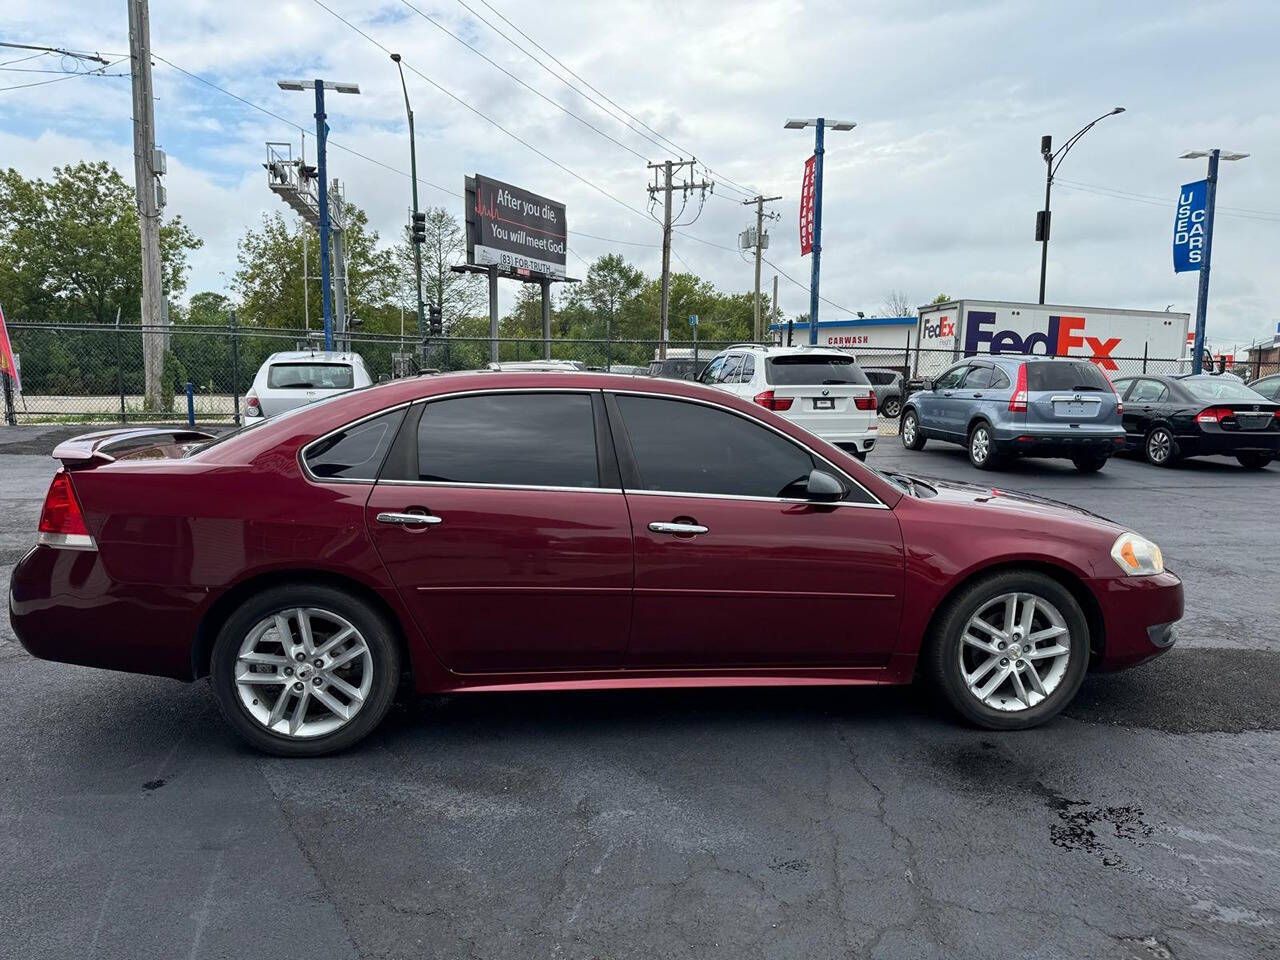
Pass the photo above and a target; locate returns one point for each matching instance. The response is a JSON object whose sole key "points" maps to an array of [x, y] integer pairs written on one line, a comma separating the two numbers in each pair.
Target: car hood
{"points": [[998, 498]]}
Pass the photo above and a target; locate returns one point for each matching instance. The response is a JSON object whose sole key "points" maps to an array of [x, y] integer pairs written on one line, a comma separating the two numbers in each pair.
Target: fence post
{"points": [[1145, 347], [191, 404], [235, 372], [906, 358], [10, 417], [120, 370]]}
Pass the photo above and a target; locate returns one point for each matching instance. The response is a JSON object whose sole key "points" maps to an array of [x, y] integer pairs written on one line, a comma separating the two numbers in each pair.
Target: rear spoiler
{"points": [[90, 449]]}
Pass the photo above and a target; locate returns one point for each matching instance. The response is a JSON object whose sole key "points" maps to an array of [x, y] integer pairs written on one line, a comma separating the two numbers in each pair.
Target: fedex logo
{"points": [[1064, 336], [943, 328]]}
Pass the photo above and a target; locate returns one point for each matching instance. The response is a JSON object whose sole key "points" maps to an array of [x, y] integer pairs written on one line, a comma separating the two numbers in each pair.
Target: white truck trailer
{"points": [[960, 328]]}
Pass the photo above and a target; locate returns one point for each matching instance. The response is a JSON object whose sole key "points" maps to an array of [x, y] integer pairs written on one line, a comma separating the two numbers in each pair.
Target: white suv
{"points": [[297, 377], [820, 389]]}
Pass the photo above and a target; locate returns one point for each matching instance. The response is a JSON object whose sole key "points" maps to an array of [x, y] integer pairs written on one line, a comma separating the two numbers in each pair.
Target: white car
{"points": [[822, 390], [298, 377]]}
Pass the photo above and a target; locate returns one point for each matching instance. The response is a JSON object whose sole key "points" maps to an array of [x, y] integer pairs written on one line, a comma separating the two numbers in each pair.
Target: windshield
{"points": [[310, 376], [1074, 376], [806, 369], [1217, 388]]}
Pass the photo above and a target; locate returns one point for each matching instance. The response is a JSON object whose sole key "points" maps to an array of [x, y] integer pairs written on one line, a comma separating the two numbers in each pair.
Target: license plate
{"points": [[1066, 408], [824, 404], [1253, 421]]}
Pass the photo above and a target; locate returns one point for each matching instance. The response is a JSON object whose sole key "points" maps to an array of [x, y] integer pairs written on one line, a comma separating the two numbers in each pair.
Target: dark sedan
{"points": [[563, 531], [1167, 418]]}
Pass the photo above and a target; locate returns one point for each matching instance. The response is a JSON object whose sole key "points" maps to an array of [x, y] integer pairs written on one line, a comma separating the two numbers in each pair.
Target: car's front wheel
{"points": [[982, 447], [892, 407], [1254, 461], [1010, 650], [913, 437], [302, 671]]}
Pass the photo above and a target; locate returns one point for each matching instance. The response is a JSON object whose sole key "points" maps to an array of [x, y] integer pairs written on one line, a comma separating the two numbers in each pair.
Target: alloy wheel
{"points": [[1014, 651], [909, 431], [303, 672], [1159, 446], [891, 409], [980, 445]]}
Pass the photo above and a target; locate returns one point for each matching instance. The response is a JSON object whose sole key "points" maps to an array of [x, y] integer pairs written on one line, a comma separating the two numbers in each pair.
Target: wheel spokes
{"points": [[1003, 666]]}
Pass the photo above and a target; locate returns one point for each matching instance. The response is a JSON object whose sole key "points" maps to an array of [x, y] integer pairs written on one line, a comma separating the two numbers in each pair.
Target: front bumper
{"points": [[1138, 617]]}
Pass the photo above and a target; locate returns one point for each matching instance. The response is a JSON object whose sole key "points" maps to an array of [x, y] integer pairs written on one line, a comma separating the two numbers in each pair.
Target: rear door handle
{"points": [[977, 396], [694, 528], [409, 519], [946, 393]]}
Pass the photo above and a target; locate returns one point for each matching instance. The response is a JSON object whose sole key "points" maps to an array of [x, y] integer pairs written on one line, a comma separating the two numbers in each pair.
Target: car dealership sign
{"points": [[520, 232], [1189, 227]]}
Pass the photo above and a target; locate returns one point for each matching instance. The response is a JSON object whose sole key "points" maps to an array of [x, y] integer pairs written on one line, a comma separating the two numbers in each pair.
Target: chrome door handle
{"points": [[407, 519], [658, 527]]}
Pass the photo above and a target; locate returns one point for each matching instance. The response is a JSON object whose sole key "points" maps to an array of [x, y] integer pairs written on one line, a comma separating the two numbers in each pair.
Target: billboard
{"points": [[1188, 227], [522, 233]]}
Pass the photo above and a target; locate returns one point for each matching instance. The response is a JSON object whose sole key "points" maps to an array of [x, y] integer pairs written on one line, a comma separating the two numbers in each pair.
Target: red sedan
{"points": [[546, 531]]}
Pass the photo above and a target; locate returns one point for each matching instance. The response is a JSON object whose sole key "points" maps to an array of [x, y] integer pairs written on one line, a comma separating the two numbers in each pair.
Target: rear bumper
{"points": [[64, 607], [862, 439], [1224, 443], [1138, 615], [1033, 444]]}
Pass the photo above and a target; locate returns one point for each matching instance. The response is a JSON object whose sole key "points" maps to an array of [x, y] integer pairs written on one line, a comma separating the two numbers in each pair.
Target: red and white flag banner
{"points": [[806, 208], [7, 363]]}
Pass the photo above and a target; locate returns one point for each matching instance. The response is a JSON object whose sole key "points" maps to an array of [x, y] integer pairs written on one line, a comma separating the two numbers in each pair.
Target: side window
{"points": [[1000, 380], [712, 373], [1149, 391], [690, 448], [509, 439], [732, 367], [978, 378], [748, 369], [355, 453], [1122, 387], [950, 378]]}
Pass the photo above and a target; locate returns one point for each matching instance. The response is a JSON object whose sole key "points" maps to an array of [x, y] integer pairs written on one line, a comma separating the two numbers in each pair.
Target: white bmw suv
{"points": [[820, 389]]}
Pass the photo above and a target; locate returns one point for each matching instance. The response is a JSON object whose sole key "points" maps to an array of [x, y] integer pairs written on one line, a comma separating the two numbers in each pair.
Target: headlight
{"points": [[1137, 556]]}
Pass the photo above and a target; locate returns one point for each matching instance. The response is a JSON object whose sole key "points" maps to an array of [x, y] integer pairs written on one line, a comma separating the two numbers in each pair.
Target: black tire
{"points": [[892, 408], [860, 455], [1254, 461], [940, 658], [1089, 462], [1159, 448], [982, 447], [380, 637], [918, 439]]}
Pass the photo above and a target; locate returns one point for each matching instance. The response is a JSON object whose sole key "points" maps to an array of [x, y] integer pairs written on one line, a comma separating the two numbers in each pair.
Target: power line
{"points": [[69, 76], [559, 106], [1267, 216], [805, 287]]}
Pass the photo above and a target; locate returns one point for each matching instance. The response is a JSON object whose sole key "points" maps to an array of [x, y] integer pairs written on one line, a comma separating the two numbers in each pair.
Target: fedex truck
{"points": [[962, 328]]}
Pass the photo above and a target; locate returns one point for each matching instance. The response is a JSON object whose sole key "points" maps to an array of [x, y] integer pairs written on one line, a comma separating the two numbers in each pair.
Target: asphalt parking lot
{"points": [[1143, 824]]}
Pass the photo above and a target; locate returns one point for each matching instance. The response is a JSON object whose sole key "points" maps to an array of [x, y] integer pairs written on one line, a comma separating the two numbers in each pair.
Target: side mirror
{"points": [[823, 487], [927, 384]]}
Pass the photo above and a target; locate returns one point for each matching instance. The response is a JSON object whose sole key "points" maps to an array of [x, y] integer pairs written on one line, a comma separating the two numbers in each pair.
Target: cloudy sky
{"points": [[935, 191]]}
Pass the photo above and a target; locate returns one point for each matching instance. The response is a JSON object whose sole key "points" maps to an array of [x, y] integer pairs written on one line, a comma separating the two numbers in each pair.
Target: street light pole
{"points": [[322, 198], [1052, 161], [413, 174], [819, 148]]}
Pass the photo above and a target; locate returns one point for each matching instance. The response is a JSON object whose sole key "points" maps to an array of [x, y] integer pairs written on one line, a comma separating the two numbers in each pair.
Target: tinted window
{"points": [[809, 369], [729, 372], [521, 439], [1000, 380], [357, 452], [1269, 387], [1074, 375], [748, 369], [978, 377], [712, 373], [690, 448], [310, 376], [950, 378], [1217, 388], [1149, 391]]}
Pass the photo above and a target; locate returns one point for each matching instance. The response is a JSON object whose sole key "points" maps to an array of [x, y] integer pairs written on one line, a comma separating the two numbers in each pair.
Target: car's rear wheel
{"points": [[982, 447], [1254, 461], [1159, 447], [913, 437], [1010, 651], [302, 671], [1089, 462], [892, 407]]}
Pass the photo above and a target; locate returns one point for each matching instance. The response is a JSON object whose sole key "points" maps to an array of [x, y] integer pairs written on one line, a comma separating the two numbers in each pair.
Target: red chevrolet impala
{"points": [[558, 531]]}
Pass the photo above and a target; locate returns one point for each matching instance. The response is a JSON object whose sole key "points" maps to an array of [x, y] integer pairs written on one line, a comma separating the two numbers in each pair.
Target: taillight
{"points": [[62, 521], [770, 402], [1018, 402], [1214, 415], [252, 406], [865, 403]]}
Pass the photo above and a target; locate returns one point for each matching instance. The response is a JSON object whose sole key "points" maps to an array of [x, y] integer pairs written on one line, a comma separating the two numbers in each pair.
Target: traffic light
{"points": [[418, 234], [435, 322]]}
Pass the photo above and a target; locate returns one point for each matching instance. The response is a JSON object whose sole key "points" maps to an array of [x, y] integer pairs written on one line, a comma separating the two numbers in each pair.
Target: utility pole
{"points": [[148, 187], [773, 304], [662, 183], [759, 244]]}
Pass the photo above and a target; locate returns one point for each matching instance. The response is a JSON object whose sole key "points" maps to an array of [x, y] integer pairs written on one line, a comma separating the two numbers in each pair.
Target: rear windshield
{"points": [[1220, 389], [310, 376], [1074, 376], [808, 370]]}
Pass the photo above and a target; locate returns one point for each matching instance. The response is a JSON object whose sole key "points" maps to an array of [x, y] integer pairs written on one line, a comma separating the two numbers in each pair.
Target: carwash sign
{"points": [[1189, 227], [518, 231], [1063, 336]]}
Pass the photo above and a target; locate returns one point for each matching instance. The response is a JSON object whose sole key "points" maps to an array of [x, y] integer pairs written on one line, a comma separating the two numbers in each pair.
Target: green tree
{"points": [[458, 295], [70, 248]]}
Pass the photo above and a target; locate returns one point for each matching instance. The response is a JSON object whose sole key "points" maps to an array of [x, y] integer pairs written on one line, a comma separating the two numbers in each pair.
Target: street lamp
{"points": [[413, 175], [1210, 196], [1053, 160], [819, 124], [322, 136]]}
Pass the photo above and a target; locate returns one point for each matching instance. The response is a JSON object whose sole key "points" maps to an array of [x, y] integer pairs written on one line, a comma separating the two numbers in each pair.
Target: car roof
{"points": [[776, 350], [321, 356]]}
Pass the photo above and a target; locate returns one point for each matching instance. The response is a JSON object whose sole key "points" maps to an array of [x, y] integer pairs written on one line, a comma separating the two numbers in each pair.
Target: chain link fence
{"points": [[84, 373]]}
